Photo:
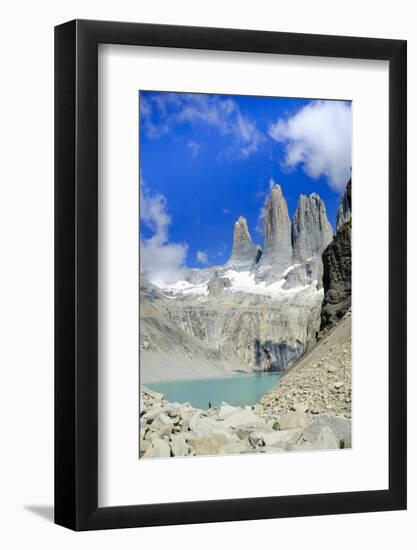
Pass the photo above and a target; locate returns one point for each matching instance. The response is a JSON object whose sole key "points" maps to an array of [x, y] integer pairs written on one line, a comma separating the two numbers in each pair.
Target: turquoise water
{"points": [[238, 390]]}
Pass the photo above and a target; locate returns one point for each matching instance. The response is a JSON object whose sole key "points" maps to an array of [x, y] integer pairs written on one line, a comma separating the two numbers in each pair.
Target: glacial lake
{"points": [[239, 390]]}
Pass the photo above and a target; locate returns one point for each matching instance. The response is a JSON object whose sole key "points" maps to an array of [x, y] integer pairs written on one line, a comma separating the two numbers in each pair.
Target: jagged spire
{"points": [[244, 253], [344, 212], [276, 222], [311, 231], [277, 253], [241, 236]]}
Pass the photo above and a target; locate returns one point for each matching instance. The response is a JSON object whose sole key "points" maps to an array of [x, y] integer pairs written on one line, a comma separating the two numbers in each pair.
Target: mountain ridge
{"points": [[260, 309]]}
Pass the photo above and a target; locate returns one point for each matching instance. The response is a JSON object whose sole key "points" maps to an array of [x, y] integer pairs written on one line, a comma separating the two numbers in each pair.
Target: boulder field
{"points": [[310, 409]]}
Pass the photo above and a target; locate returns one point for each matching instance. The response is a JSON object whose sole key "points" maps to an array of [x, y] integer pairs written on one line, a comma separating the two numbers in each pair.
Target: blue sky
{"points": [[207, 159]]}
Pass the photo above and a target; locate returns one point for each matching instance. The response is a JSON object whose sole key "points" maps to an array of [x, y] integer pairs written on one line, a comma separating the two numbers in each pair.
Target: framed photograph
{"points": [[230, 253]]}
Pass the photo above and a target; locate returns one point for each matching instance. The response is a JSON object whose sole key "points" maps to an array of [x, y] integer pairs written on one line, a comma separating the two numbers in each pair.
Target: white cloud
{"points": [[194, 146], [318, 137], [201, 257], [161, 113], [160, 259]]}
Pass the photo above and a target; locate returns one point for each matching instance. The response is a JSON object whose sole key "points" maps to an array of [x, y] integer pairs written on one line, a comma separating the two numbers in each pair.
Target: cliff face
{"points": [[311, 231], [337, 268], [344, 212], [277, 253], [265, 333]]}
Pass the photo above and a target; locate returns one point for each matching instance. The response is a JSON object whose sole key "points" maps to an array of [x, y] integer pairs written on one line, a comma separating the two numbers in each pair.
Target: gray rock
{"points": [[200, 425], [277, 356], [244, 432], [346, 442], [325, 439], [277, 252], [344, 212], [196, 275], [245, 254], [337, 271], [226, 410], [337, 277], [162, 421], [291, 420], [144, 446], [311, 231], [179, 446], [283, 439], [300, 407], [153, 394], [158, 449], [257, 409], [234, 447], [217, 285], [269, 449], [304, 274], [150, 414], [256, 438], [341, 427], [209, 444], [240, 417]]}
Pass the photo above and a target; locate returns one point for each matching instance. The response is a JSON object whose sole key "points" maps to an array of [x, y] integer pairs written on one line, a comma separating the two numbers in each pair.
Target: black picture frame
{"points": [[76, 272]]}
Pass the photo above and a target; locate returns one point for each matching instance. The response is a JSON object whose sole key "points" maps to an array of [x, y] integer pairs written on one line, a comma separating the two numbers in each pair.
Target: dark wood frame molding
{"points": [[76, 271]]}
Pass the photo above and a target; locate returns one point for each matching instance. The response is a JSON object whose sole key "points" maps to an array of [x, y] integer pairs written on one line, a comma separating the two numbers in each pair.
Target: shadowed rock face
{"points": [[277, 356], [337, 271], [311, 231], [337, 265], [277, 254], [244, 253], [344, 212]]}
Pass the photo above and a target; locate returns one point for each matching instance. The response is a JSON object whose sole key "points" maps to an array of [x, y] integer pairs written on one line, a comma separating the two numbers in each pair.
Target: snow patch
{"points": [[184, 287], [244, 281], [290, 269], [241, 281]]}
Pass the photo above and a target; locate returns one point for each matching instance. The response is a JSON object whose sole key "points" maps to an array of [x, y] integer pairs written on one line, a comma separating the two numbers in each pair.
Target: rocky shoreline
{"points": [[310, 409], [174, 429]]}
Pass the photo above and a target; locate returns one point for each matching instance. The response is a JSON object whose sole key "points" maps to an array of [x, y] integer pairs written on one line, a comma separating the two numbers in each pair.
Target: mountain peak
{"points": [[344, 212], [244, 253], [241, 233], [277, 253], [311, 231]]}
